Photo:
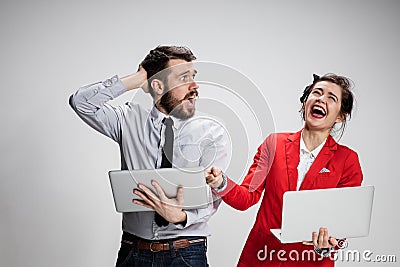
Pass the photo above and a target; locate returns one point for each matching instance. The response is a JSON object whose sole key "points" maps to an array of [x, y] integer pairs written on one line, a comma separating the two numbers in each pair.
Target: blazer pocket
{"points": [[325, 174], [327, 180]]}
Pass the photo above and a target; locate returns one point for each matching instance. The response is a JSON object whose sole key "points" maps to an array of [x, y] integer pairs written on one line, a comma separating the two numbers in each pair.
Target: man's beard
{"points": [[174, 106]]}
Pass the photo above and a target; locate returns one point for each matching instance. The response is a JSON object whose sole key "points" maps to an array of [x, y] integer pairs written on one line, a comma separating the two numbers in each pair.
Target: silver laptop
{"points": [[345, 212], [196, 192]]}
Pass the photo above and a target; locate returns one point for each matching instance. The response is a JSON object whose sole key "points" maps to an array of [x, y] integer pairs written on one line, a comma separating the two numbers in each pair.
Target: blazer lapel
{"points": [[292, 149], [320, 162]]}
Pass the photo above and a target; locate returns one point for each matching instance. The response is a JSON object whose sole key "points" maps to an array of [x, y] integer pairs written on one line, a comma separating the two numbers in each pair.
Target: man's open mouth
{"points": [[192, 96], [191, 99]]}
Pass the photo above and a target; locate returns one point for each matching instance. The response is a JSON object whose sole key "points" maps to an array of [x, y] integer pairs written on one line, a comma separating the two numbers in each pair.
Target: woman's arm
{"points": [[248, 193], [352, 174]]}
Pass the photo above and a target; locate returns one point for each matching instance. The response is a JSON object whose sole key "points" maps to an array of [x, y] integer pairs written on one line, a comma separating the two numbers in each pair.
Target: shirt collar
{"points": [[157, 118], [315, 152]]}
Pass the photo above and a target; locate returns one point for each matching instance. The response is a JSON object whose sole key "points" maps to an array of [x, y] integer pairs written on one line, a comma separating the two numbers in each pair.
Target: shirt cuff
{"points": [[104, 91], [189, 220], [115, 86]]}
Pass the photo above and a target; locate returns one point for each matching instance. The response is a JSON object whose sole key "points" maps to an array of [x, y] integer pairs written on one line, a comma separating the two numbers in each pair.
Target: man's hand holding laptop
{"points": [[169, 208]]}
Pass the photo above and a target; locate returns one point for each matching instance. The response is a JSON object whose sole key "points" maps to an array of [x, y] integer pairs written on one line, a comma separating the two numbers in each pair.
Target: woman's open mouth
{"points": [[318, 112]]}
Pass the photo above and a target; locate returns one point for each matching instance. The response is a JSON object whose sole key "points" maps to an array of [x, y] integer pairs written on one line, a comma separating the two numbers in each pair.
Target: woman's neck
{"points": [[312, 139]]}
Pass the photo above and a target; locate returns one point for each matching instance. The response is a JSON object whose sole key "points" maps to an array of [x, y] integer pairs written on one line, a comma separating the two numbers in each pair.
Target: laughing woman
{"points": [[295, 161]]}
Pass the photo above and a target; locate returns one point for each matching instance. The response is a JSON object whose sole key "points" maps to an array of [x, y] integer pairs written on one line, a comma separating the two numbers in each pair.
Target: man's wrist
{"points": [[132, 81], [183, 219]]}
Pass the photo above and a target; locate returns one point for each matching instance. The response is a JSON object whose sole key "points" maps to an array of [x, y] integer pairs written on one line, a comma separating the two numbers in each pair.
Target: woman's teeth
{"points": [[318, 111]]}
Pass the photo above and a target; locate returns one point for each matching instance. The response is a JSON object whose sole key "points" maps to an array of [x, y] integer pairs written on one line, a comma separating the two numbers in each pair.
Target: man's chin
{"points": [[183, 114]]}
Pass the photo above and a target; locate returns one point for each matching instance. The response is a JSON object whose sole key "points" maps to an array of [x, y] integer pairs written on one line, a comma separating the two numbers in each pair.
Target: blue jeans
{"points": [[193, 256]]}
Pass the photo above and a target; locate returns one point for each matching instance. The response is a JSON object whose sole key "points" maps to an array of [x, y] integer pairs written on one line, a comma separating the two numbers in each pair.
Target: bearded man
{"points": [[167, 234]]}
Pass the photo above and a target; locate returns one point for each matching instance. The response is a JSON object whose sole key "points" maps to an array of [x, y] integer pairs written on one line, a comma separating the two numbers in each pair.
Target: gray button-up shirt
{"points": [[198, 141]]}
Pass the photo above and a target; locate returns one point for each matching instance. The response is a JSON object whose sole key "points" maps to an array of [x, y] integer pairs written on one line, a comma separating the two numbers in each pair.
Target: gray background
{"points": [[56, 206]]}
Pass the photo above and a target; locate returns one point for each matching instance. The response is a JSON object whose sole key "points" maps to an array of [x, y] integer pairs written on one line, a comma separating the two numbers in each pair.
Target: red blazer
{"points": [[274, 171]]}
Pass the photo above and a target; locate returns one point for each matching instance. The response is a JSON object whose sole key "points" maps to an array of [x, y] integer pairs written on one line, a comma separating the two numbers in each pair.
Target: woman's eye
{"points": [[316, 93], [183, 78]]}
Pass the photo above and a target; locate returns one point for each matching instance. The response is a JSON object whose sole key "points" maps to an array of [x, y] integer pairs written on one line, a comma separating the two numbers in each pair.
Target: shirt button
{"points": [[107, 83], [95, 91], [156, 234]]}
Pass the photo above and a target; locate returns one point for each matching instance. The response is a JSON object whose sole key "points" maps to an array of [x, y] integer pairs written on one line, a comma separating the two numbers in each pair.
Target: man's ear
{"points": [[158, 86]]}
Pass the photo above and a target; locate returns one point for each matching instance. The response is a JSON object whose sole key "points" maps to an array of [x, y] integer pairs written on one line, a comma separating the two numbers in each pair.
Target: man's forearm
{"points": [[89, 103], [135, 80], [88, 99]]}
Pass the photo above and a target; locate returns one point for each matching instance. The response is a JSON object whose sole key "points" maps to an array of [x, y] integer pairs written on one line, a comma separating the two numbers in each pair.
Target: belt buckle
{"points": [[151, 247]]}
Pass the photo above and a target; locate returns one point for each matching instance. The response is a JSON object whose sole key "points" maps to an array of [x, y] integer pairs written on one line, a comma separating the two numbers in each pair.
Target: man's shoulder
{"points": [[203, 123]]}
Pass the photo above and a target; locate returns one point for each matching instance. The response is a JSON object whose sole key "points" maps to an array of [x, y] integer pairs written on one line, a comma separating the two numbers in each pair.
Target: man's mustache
{"points": [[191, 94]]}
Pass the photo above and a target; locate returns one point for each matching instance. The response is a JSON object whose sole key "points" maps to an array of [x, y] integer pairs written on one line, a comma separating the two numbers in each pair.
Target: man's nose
{"points": [[193, 85]]}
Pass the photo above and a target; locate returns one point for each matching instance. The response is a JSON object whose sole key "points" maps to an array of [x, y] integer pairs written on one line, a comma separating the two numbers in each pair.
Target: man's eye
{"points": [[183, 78]]}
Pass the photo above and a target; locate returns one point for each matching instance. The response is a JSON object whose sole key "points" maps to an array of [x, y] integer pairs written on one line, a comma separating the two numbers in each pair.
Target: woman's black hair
{"points": [[346, 106]]}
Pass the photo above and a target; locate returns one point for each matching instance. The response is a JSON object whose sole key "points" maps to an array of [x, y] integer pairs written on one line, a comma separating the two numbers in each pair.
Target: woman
{"points": [[308, 159]]}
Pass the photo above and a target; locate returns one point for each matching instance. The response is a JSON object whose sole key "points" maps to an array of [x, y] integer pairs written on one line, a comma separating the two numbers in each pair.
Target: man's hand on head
{"points": [[136, 80]]}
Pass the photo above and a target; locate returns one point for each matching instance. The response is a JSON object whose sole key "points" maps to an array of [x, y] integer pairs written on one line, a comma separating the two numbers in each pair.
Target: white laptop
{"points": [[345, 212], [195, 190]]}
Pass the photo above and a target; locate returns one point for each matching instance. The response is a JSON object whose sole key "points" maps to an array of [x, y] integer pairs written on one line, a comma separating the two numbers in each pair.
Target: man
{"points": [[170, 236]]}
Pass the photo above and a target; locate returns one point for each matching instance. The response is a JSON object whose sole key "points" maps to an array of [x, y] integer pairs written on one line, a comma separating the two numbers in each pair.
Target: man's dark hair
{"points": [[158, 58]]}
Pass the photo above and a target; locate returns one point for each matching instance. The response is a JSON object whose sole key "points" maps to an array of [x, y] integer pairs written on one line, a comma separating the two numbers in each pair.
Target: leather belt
{"points": [[163, 246]]}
